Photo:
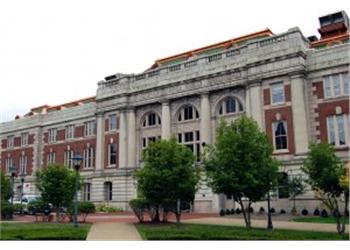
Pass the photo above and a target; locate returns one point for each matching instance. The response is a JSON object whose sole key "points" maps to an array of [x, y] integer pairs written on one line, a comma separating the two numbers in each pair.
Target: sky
{"points": [[53, 52]]}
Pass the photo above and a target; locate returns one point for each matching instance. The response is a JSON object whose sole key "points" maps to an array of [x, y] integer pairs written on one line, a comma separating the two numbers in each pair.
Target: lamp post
{"points": [[269, 220], [13, 174], [22, 188], [77, 159]]}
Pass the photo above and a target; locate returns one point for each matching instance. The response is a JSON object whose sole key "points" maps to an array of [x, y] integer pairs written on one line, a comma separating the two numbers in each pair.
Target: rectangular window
{"points": [[112, 122], [192, 141], [51, 158], [112, 154], [280, 136], [152, 119], [23, 165], [338, 129], [179, 137], [10, 141], [8, 164], [89, 157], [188, 113], [108, 191], [69, 132], [188, 136], [336, 85], [277, 96], [52, 135], [90, 128], [86, 191], [68, 158], [24, 139]]}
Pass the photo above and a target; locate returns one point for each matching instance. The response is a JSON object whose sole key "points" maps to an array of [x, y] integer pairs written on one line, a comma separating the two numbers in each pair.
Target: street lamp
{"points": [[269, 220], [77, 159], [22, 188], [13, 174]]}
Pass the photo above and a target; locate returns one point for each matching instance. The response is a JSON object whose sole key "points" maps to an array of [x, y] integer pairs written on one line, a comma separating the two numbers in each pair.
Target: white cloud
{"points": [[55, 51]]}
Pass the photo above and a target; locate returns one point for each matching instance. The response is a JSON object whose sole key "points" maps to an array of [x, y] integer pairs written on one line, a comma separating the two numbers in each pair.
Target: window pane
{"points": [[331, 132], [336, 85], [230, 106], [346, 83], [341, 129], [327, 86], [188, 113], [112, 122], [277, 93]]}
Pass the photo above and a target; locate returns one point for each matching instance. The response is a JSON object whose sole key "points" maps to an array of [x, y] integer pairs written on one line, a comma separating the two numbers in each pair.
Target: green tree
{"points": [[5, 187], [168, 176], [57, 186], [295, 187], [240, 164], [326, 174]]}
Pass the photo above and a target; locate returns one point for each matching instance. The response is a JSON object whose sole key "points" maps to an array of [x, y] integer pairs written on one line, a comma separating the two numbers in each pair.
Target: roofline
{"points": [[226, 43], [76, 102], [330, 39]]}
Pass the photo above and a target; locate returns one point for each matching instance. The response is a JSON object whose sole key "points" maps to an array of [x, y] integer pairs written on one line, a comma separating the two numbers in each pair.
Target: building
{"points": [[296, 88]]}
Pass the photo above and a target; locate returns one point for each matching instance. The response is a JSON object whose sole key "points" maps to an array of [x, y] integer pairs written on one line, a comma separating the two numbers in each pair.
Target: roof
{"points": [[330, 40], [224, 44], [64, 105]]}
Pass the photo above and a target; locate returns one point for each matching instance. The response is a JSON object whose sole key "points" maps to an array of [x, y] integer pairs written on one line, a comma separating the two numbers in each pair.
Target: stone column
{"points": [[131, 138], [205, 119], [166, 120], [123, 143], [256, 105], [299, 114], [247, 102], [100, 139]]}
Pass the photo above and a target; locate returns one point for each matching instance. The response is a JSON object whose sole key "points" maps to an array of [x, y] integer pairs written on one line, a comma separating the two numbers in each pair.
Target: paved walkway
{"points": [[321, 227], [113, 231]]}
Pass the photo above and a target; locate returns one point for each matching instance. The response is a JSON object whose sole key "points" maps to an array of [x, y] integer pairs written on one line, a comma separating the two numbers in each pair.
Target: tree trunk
{"points": [[247, 222], [57, 215], [156, 217], [178, 212]]}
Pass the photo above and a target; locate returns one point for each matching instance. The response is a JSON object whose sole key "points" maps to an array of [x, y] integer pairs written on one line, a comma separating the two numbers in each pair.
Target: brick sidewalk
{"points": [[321, 227]]}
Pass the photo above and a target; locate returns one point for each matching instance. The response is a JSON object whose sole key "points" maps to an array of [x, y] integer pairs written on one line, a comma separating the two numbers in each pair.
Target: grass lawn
{"points": [[213, 232], [329, 220], [42, 231]]}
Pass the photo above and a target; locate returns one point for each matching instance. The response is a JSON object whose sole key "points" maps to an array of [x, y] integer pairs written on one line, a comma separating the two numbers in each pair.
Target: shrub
{"points": [[18, 208], [140, 205], [39, 206], [222, 212], [6, 210], [324, 213], [261, 210], [228, 212], [232, 211], [282, 211], [272, 210], [85, 208], [294, 211], [238, 210], [304, 212], [105, 208], [317, 212]]}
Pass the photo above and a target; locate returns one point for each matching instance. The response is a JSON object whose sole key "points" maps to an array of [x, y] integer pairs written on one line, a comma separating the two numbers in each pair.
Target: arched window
{"points": [[230, 106], [151, 119], [188, 113]]}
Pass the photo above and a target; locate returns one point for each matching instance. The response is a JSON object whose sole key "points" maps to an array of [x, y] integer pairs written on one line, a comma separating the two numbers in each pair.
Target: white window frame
{"points": [[90, 128], [346, 124], [23, 161], [87, 191], [10, 141], [51, 157], [274, 126], [223, 106], [329, 79], [145, 122], [8, 164], [195, 143], [68, 158], [110, 122], [70, 129], [52, 135], [145, 141], [275, 87], [181, 115], [108, 192], [89, 156], [24, 139], [109, 155]]}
